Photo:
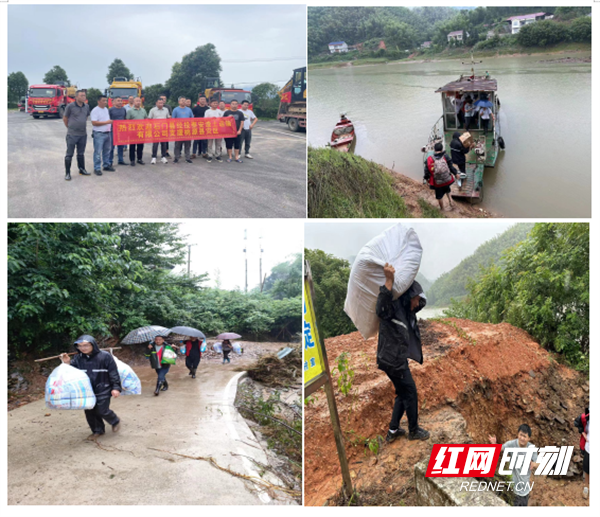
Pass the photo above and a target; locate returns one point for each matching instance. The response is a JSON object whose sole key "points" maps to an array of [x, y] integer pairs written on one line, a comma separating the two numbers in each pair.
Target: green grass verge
{"points": [[429, 211], [346, 185]]}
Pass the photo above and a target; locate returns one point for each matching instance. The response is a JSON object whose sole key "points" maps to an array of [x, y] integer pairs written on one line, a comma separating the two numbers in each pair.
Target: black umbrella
{"points": [[187, 331]]}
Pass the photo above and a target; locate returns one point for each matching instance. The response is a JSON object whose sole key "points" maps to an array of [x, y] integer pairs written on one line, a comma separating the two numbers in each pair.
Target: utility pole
{"points": [[246, 258], [189, 257], [260, 280]]}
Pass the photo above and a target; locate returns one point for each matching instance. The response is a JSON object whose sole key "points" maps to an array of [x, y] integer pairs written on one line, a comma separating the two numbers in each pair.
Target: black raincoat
{"points": [[399, 335], [458, 150], [100, 367]]}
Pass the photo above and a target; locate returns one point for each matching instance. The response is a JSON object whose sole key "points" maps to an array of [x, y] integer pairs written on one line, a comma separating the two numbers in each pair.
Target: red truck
{"points": [[47, 100]]}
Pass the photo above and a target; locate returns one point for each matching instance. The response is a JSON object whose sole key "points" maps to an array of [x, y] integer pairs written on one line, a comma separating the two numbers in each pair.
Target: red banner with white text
{"points": [[126, 132]]}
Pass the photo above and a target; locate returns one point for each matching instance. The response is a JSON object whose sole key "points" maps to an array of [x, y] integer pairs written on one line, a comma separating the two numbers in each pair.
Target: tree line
{"points": [[106, 279], [405, 29], [188, 78], [541, 286]]}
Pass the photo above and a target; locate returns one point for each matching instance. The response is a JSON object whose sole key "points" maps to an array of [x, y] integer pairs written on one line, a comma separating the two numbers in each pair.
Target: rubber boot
{"points": [[194, 373], [157, 390], [81, 165], [68, 168], [165, 386]]}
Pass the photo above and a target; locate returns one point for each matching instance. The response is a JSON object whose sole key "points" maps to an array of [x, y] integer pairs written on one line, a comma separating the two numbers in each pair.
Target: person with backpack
{"points": [[582, 422], [439, 173], [102, 370], [161, 356], [400, 340]]}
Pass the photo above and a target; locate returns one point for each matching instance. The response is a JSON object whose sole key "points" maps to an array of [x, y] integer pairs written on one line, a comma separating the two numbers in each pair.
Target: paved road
{"points": [[50, 462], [273, 184]]}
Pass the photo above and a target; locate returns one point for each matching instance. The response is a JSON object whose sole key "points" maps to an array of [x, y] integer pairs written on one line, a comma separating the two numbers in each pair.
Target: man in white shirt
{"points": [[250, 121], [102, 136], [159, 112], [214, 112]]}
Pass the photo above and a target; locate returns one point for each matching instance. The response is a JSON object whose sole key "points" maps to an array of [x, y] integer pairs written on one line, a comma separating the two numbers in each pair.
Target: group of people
{"points": [[468, 107], [102, 371], [102, 117], [399, 340]]}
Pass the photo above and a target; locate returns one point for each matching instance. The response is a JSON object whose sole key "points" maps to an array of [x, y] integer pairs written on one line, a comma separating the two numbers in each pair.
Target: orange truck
{"points": [[124, 88], [214, 90], [49, 100]]}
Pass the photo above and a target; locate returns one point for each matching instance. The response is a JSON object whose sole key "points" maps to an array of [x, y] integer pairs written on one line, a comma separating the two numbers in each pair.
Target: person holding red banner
{"points": [[136, 113], [234, 143], [214, 144], [159, 112], [183, 111], [200, 146]]}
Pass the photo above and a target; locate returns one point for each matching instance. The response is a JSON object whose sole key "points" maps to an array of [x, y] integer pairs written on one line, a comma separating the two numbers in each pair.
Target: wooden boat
{"points": [[343, 137], [484, 153]]}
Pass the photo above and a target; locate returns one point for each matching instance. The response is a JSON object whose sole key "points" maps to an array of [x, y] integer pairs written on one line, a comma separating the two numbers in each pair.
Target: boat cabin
{"points": [[478, 88]]}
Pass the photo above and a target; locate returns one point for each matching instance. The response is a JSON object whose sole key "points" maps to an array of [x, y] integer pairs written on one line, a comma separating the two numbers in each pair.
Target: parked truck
{"points": [[215, 90], [292, 106], [124, 88], [46, 100]]}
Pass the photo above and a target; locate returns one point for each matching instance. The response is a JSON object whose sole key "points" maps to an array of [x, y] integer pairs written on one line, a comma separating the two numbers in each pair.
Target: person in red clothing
{"points": [[582, 423], [440, 172], [193, 355], [155, 353]]}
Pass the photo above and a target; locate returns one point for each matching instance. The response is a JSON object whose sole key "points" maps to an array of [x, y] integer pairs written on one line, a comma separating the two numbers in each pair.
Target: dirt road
{"points": [[272, 184], [50, 462]]}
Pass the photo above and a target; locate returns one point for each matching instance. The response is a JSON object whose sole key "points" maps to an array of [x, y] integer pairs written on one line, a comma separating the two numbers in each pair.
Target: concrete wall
{"points": [[446, 492]]}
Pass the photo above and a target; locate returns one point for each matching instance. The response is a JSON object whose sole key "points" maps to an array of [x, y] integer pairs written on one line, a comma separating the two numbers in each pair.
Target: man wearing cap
{"points": [[102, 370]]}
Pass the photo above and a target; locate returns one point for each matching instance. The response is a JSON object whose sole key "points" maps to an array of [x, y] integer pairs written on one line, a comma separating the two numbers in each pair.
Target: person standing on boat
{"points": [[485, 113], [458, 105], [469, 110], [459, 153], [440, 171]]}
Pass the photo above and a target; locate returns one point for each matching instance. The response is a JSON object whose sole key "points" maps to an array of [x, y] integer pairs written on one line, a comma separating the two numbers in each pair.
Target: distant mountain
{"points": [[425, 283], [453, 283]]}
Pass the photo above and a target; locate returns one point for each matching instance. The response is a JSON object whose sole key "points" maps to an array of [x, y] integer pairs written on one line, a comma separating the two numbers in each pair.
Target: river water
{"points": [[431, 312], [545, 120]]}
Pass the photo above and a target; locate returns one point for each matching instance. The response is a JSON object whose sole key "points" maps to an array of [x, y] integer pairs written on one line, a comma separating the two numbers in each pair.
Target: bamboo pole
{"points": [[70, 353]]}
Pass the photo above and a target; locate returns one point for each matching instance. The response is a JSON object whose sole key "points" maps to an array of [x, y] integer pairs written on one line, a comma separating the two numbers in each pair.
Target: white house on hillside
{"points": [[516, 22], [456, 35], [338, 46]]}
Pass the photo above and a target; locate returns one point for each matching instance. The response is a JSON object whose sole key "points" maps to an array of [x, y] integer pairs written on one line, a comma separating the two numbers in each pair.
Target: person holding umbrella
{"points": [[160, 354], [193, 355], [227, 349]]}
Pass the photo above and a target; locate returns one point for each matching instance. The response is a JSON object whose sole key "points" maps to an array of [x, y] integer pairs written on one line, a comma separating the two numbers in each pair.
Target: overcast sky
{"points": [[256, 43], [219, 244], [444, 244]]}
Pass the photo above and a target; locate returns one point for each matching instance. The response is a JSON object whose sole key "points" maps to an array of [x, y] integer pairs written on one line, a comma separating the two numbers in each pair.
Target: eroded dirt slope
{"points": [[477, 379]]}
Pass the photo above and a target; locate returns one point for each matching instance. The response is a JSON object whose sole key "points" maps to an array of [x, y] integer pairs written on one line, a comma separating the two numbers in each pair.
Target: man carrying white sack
{"points": [[101, 368], [400, 340]]}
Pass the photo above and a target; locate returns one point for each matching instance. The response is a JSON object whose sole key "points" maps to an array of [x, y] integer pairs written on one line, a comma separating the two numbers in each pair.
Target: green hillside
{"points": [[346, 185], [453, 283]]}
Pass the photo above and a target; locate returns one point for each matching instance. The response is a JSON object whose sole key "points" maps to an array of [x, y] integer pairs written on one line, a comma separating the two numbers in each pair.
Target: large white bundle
{"points": [[398, 246], [130, 382], [69, 388]]}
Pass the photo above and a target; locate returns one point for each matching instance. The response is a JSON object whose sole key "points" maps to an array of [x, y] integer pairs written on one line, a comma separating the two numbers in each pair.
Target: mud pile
{"points": [[477, 379]]}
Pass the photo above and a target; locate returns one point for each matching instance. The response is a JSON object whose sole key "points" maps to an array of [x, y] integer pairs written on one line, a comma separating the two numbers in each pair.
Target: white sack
{"points": [[69, 388], [398, 246]]}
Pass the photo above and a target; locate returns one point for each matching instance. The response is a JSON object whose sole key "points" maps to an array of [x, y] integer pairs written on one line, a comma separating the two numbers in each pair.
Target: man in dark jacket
{"points": [[400, 340], [102, 370], [459, 153]]}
